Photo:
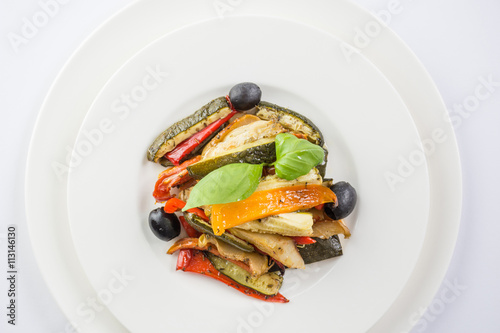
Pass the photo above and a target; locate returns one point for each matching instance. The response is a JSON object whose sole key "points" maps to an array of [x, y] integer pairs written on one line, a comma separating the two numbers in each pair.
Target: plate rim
{"points": [[137, 62]]}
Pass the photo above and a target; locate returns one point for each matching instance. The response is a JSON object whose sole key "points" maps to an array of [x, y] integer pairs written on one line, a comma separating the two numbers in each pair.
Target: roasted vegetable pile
{"points": [[245, 180]]}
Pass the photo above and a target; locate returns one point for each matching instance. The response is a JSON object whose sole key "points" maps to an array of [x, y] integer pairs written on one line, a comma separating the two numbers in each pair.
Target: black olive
{"points": [[346, 198], [245, 96], [165, 226]]}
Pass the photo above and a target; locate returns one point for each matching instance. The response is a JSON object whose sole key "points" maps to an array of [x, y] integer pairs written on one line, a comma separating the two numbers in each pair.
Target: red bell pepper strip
{"points": [[173, 205], [196, 262], [172, 177], [184, 258], [302, 240], [188, 145], [192, 232]]}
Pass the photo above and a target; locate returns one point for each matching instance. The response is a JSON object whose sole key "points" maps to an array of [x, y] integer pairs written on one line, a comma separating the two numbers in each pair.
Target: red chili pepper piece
{"points": [[188, 145], [192, 232], [196, 262], [230, 103], [173, 205], [200, 213], [320, 207], [302, 240]]}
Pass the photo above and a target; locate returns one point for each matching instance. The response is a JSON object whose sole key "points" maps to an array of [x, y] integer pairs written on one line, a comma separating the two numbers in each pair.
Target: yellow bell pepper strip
{"points": [[270, 202]]}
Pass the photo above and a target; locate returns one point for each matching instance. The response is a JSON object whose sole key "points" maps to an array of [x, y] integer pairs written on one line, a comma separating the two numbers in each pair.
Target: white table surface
{"points": [[457, 41]]}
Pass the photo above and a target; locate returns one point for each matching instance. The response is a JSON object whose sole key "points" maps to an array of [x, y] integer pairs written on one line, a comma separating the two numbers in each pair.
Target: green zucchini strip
{"points": [[261, 151], [203, 227], [291, 120], [185, 128], [267, 284]]}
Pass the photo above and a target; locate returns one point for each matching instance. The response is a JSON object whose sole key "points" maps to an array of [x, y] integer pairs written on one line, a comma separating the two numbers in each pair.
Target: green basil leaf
{"points": [[295, 157], [230, 183]]}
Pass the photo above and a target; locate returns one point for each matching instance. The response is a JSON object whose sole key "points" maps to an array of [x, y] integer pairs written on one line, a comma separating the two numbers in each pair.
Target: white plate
{"points": [[365, 123], [142, 23]]}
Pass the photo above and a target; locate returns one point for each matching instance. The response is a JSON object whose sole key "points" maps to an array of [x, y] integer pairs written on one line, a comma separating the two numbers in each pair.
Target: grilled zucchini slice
{"points": [[267, 284], [183, 129], [261, 151], [291, 120]]}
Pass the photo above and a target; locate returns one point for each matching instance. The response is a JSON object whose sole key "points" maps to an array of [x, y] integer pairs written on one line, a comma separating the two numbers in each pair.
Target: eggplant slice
{"points": [[185, 128], [321, 250], [281, 248], [243, 136]]}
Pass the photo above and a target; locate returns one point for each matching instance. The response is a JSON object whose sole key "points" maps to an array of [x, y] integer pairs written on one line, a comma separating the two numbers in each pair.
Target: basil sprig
{"points": [[234, 182], [295, 157]]}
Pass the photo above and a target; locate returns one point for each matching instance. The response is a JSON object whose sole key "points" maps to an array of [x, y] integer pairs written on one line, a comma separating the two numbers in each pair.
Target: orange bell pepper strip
{"points": [[270, 202]]}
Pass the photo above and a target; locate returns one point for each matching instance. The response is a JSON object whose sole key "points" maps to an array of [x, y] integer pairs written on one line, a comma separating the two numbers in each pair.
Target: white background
{"points": [[458, 41]]}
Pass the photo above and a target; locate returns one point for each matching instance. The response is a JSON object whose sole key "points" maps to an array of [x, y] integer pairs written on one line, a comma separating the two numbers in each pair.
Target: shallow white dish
{"points": [[98, 58], [365, 124]]}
